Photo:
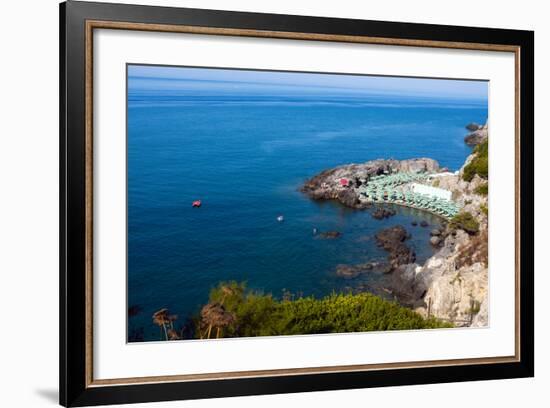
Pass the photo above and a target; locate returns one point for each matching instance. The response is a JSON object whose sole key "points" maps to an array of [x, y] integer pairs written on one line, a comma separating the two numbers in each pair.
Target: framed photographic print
{"points": [[256, 203]]}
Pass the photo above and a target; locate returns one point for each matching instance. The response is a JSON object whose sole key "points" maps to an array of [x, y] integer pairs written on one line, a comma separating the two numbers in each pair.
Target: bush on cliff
{"points": [[476, 250], [464, 221], [262, 315], [479, 164], [482, 189]]}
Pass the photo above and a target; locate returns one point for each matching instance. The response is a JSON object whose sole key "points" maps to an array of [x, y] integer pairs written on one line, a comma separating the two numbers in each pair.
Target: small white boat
{"points": [[280, 218]]}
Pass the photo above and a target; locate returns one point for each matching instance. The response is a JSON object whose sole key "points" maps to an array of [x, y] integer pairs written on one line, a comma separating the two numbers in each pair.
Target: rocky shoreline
{"points": [[328, 185], [452, 285], [479, 134]]}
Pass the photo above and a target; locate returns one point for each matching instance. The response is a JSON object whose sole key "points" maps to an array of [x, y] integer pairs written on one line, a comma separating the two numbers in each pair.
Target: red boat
{"points": [[197, 203]]}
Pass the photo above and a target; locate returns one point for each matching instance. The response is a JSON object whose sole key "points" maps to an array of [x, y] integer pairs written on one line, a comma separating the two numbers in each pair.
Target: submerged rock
{"points": [[381, 213], [353, 271], [329, 234], [473, 126]]}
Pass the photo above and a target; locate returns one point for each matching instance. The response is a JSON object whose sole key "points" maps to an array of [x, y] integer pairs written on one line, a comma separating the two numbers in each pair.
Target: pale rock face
{"points": [[464, 193], [434, 263], [481, 319], [458, 296]]}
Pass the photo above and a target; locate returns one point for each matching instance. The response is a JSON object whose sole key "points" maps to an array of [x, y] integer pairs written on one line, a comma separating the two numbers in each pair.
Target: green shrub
{"points": [[482, 189], [475, 307], [464, 221], [262, 315], [479, 164], [484, 209]]}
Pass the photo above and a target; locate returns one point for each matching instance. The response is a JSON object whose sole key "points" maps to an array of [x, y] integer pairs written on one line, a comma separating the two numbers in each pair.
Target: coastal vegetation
{"points": [[240, 312], [484, 209], [479, 164], [482, 189], [464, 221], [165, 321]]}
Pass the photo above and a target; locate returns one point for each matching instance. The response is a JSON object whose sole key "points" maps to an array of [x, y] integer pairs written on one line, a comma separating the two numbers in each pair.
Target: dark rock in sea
{"points": [[381, 213], [388, 237], [134, 310], [435, 232], [414, 223], [476, 137], [473, 126], [347, 271], [401, 255], [330, 234], [392, 240], [423, 223]]}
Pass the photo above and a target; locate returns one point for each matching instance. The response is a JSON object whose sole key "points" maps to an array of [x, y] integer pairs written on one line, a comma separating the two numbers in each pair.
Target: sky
{"points": [[224, 81]]}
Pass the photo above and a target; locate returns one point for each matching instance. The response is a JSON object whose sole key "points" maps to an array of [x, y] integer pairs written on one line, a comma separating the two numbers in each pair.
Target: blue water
{"points": [[245, 158]]}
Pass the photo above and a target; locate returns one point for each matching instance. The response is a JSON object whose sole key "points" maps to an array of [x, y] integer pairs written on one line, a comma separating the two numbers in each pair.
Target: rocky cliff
{"points": [[328, 185], [452, 285], [477, 136], [456, 277]]}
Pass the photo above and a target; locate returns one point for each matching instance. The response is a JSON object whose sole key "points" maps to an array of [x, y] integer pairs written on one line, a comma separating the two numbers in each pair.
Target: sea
{"points": [[245, 159]]}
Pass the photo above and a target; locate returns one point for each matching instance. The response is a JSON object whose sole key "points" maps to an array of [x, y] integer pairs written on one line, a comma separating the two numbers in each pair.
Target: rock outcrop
{"points": [[454, 281], [393, 240], [340, 182], [380, 213], [473, 126], [477, 136]]}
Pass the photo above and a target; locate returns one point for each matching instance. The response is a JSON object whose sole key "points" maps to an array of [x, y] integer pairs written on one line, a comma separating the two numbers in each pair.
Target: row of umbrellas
{"points": [[396, 179], [382, 188]]}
